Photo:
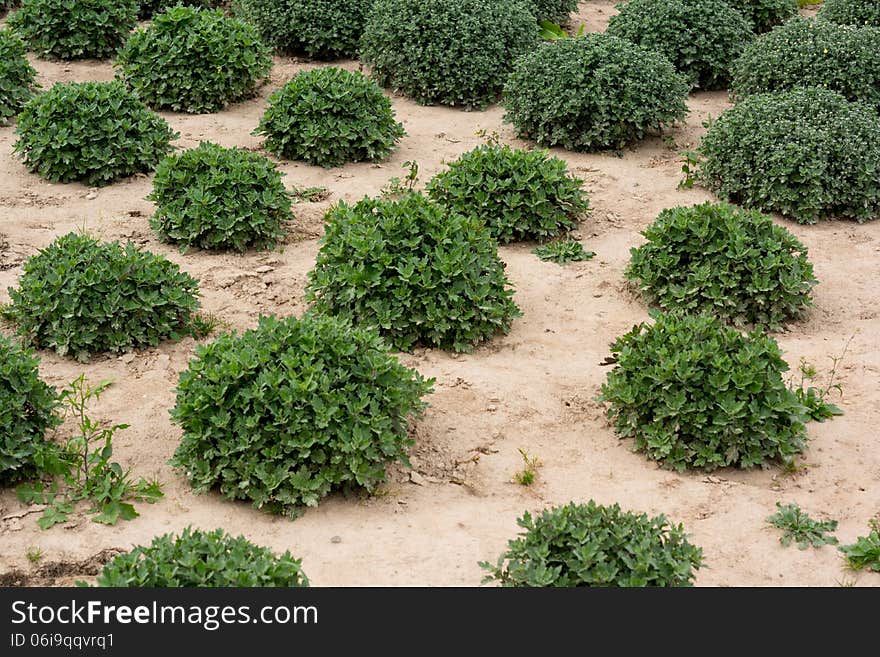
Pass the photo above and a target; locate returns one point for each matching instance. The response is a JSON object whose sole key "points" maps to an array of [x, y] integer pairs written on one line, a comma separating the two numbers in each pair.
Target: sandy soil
{"points": [[532, 389]]}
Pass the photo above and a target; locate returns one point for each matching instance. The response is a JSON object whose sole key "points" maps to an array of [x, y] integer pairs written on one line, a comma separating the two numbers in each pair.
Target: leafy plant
{"points": [[557, 11], [766, 14], [797, 526], [517, 194], [851, 12], [594, 545], [448, 52], [592, 92], [527, 476], [808, 154], [149, 8], [563, 251], [551, 31], [79, 297], [34, 554], [702, 38], [416, 271], [716, 258], [93, 132], [689, 167], [865, 552], [74, 30], [17, 77], [330, 116], [816, 399], [694, 393], [219, 198], [203, 559]]}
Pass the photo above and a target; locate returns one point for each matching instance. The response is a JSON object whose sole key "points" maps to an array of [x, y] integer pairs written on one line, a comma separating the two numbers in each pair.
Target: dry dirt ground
{"points": [[532, 389]]}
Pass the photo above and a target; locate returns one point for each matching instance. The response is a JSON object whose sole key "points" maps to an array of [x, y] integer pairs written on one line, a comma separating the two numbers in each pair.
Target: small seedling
{"points": [[527, 476], [815, 399], [34, 554], [396, 186], [797, 526], [309, 194], [550, 31], [865, 552], [690, 160], [491, 137], [563, 251]]}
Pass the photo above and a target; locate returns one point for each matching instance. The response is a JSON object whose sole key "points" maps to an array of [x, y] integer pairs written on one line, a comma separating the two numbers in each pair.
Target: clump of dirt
{"points": [[60, 573]]}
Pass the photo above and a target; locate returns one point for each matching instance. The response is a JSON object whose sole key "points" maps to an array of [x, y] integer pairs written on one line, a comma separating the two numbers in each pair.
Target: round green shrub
{"points": [[555, 11], [93, 132], [17, 76], [149, 8], [517, 194], [808, 154], [766, 14], [297, 408], [810, 53], [196, 558], [716, 258], [594, 545], [447, 52], [27, 411], [702, 38], [593, 92], [695, 393], [75, 30], [413, 269], [860, 13], [79, 297], [330, 116], [219, 198], [321, 29], [194, 60]]}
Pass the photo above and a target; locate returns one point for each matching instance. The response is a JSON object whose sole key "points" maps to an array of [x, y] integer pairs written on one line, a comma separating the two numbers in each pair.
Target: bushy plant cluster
{"points": [[800, 528], [860, 13], [518, 194], [766, 14], [694, 393], [448, 52], [330, 116], [595, 545], [812, 53], [93, 132], [413, 269], [865, 552], [718, 259], [75, 30], [196, 558], [808, 154], [702, 38], [17, 76], [297, 408], [194, 60], [80, 296], [562, 252], [593, 92], [555, 11], [219, 198], [149, 8]]}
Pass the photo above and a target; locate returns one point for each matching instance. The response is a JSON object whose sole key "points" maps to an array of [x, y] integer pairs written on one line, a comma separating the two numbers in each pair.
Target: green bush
{"points": [[94, 132], [322, 29], [297, 408], [17, 76], [702, 38], [517, 194], [75, 30], [415, 270], [194, 60], [219, 198], [448, 52], [79, 297], [555, 11], [766, 14], [594, 545], [196, 558], [330, 116], [592, 92], [27, 411], [807, 154], [718, 259], [851, 12], [694, 393], [149, 8], [810, 53]]}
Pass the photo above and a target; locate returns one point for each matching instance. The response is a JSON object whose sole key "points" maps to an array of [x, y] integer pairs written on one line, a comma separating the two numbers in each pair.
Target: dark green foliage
{"points": [[17, 76], [75, 30], [149, 8], [702, 38], [517, 194], [594, 545], [415, 270], [203, 559], [694, 393], [766, 14], [563, 251], [79, 297], [797, 526], [592, 92], [860, 13], [219, 198], [27, 411], [808, 154], [330, 116], [297, 408], [194, 60], [555, 11], [865, 552], [447, 52], [93, 132], [718, 259], [322, 29], [813, 53], [6, 5]]}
